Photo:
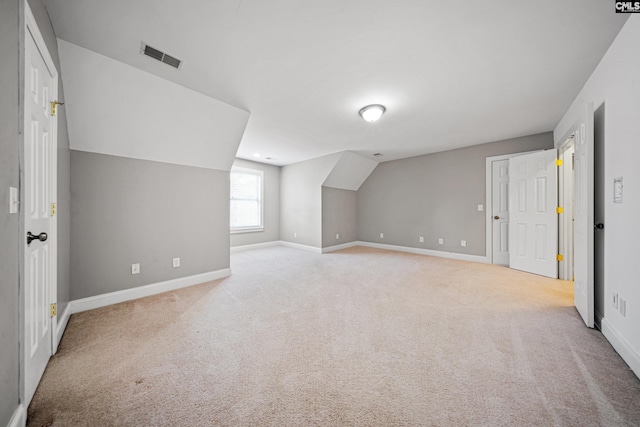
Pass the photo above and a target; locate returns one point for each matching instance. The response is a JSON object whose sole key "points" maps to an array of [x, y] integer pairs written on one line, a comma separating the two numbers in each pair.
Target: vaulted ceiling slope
{"points": [[451, 74]]}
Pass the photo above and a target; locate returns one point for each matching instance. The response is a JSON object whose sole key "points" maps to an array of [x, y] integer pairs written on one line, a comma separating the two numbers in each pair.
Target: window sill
{"points": [[247, 230]]}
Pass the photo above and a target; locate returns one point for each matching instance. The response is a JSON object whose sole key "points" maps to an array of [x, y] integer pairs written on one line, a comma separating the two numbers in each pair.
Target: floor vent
{"points": [[160, 56]]}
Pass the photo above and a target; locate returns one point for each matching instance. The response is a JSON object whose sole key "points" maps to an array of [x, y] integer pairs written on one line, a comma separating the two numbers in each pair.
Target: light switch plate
{"points": [[480, 208]]}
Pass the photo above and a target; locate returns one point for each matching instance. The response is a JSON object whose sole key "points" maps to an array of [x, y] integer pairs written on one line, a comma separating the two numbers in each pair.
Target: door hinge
{"points": [[559, 257], [54, 309], [559, 209], [558, 162], [54, 107], [53, 209]]}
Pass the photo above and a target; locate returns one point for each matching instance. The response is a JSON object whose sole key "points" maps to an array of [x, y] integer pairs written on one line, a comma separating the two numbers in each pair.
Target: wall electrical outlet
{"points": [[421, 239], [337, 236], [623, 307], [614, 300], [295, 235], [176, 262], [135, 268], [382, 235], [441, 241], [463, 243]]}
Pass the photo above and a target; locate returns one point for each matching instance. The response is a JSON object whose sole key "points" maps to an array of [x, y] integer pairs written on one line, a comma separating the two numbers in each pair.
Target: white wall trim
{"points": [[18, 419], [430, 252], [61, 326], [339, 247], [624, 349], [242, 248], [599, 318], [299, 246], [104, 300]]}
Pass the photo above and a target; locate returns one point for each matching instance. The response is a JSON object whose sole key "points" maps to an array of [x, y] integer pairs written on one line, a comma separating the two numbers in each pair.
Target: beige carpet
{"points": [[359, 337]]}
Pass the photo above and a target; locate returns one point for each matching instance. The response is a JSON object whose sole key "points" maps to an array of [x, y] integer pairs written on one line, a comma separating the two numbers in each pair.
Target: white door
{"points": [[500, 211], [583, 223], [38, 194], [533, 226]]}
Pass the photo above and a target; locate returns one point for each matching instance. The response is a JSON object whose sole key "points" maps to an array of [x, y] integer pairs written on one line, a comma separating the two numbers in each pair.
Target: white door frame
{"points": [[587, 313], [30, 26], [489, 200], [565, 200]]}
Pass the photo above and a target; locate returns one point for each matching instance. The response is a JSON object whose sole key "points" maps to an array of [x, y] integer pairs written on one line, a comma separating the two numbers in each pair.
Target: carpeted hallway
{"points": [[357, 337]]}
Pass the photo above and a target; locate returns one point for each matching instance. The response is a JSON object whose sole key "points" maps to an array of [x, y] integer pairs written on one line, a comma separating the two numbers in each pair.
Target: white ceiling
{"points": [[451, 74]]}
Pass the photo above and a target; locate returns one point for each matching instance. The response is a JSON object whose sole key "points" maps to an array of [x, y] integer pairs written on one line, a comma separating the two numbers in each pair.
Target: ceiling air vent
{"points": [[160, 56], [377, 154]]}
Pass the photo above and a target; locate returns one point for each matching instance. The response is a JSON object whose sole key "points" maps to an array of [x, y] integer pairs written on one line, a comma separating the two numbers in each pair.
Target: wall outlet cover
{"points": [[421, 239], [135, 268], [337, 236], [463, 243], [382, 235], [176, 262], [441, 241], [480, 208]]}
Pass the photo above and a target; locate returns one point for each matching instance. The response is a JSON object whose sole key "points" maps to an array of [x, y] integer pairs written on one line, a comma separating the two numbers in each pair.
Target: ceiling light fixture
{"points": [[372, 112]]}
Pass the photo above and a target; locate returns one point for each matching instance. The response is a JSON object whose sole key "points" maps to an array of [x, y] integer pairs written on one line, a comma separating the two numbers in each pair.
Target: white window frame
{"points": [[252, 229]]}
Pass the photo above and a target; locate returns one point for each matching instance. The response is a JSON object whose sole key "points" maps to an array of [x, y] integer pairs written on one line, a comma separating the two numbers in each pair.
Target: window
{"points": [[246, 200]]}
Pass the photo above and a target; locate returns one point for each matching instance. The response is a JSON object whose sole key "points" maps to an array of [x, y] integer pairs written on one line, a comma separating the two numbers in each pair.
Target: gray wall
{"points": [[339, 216], [301, 200], [9, 225], [129, 211], [434, 196], [271, 218]]}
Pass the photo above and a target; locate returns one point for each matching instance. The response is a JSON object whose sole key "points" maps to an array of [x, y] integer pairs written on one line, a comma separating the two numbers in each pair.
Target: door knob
{"points": [[42, 237], [496, 217], [599, 226]]}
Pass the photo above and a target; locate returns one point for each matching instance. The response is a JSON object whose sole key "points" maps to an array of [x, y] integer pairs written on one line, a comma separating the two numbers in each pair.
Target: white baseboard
{"points": [[299, 246], [598, 320], [441, 254], [339, 247], [621, 345], [235, 249], [61, 324], [104, 300], [18, 419]]}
